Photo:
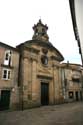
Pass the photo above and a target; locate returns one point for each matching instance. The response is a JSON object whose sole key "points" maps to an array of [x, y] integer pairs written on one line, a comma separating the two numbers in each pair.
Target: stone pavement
{"points": [[64, 114]]}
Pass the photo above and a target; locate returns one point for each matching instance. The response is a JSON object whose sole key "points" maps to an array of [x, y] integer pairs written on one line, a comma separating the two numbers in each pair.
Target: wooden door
{"points": [[44, 93], [5, 99]]}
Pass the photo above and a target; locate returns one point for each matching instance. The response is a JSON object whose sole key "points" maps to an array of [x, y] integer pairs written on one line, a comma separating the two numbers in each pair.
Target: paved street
{"points": [[64, 114]]}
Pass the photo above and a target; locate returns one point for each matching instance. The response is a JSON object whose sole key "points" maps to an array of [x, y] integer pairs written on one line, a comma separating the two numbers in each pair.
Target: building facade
{"points": [[76, 8], [42, 74], [31, 74], [72, 82], [9, 67]]}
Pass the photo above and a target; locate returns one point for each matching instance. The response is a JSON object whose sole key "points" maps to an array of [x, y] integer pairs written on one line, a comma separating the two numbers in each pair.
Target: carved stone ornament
{"points": [[45, 51]]}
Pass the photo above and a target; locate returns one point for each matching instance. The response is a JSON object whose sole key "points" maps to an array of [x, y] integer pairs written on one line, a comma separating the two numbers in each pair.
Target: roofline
{"points": [[72, 64], [48, 44], [8, 46]]}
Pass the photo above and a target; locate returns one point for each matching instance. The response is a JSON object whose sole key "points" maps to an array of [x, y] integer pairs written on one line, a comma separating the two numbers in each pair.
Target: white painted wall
{"points": [[79, 20]]}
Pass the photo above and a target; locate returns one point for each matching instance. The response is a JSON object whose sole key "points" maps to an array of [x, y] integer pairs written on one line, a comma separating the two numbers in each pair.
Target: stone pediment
{"points": [[47, 45]]}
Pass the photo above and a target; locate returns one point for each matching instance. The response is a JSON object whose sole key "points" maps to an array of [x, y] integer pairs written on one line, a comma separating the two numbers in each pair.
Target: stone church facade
{"points": [[31, 74]]}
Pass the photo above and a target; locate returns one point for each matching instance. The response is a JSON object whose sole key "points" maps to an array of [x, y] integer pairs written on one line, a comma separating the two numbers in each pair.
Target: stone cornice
{"points": [[56, 58], [23, 47], [47, 44], [31, 49], [43, 44], [44, 77]]}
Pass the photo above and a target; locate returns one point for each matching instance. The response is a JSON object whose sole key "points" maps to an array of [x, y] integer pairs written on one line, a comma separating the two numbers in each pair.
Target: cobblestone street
{"points": [[64, 114]]}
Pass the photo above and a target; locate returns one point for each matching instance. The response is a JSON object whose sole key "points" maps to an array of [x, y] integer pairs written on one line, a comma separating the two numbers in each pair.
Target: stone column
{"points": [[51, 92], [79, 96], [74, 92], [25, 82], [29, 81], [34, 83], [61, 97], [56, 85]]}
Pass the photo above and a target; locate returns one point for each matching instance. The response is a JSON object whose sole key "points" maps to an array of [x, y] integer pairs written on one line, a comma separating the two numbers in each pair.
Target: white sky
{"points": [[17, 18]]}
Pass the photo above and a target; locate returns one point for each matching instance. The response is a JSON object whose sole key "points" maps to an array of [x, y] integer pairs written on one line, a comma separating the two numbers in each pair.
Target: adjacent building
{"points": [[32, 75], [9, 67], [76, 8], [72, 82]]}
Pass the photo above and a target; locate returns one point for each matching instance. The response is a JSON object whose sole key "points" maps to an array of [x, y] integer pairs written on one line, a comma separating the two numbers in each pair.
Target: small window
{"points": [[6, 56], [7, 59], [71, 95], [6, 74]]}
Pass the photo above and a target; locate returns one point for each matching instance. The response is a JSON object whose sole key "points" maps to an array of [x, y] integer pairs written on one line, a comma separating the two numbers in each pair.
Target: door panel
{"points": [[5, 99], [44, 93]]}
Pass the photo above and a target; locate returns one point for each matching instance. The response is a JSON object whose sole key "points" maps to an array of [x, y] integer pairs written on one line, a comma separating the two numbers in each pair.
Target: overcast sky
{"points": [[17, 18]]}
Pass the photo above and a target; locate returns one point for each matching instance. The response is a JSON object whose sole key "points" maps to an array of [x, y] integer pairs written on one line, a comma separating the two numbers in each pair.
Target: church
{"points": [[32, 74]]}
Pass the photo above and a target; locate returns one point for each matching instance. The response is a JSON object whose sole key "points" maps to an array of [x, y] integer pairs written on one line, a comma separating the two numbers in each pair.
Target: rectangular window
{"points": [[6, 56], [6, 74], [7, 59]]}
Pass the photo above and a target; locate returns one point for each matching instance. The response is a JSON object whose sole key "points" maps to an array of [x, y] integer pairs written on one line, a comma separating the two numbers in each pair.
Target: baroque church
{"points": [[32, 74]]}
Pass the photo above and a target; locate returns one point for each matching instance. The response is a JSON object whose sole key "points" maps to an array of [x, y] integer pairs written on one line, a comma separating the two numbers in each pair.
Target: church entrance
{"points": [[44, 93], [5, 99]]}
